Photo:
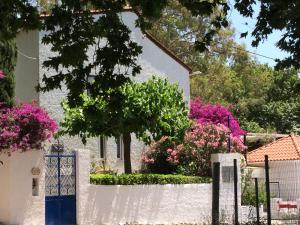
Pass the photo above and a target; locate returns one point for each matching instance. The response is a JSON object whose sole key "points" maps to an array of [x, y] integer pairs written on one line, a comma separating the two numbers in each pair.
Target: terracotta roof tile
{"points": [[286, 148]]}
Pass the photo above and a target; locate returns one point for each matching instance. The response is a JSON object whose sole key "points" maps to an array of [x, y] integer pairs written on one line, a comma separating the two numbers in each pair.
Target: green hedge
{"points": [[133, 179]]}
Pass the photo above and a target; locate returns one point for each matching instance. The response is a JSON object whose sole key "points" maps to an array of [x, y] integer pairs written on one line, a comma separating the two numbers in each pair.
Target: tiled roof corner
{"points": [[286, 148]]}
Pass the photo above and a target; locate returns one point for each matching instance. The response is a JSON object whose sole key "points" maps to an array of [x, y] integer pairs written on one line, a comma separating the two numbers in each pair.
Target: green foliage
{"points": [[248, 190], [180, 30], [156, 107], [138, 179], [150, 110], [71, 31], [276, 15], [16, 15], [280, 106], [8, 56]]}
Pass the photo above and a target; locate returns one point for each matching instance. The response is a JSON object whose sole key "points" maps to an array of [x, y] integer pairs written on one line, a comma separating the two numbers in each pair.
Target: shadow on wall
{"points": [[148, 204]]}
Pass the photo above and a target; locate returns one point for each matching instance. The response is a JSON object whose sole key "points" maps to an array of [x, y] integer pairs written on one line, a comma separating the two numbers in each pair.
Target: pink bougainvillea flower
{"points": [[25, 126], [216, 114], [2, 75]]}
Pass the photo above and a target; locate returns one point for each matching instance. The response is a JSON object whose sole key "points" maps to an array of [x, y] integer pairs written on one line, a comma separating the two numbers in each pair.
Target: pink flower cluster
{"points": [[212, 137], [173, 156], [151, 153], [2, 75], [216, 114], [200, 142], [24, 127]]}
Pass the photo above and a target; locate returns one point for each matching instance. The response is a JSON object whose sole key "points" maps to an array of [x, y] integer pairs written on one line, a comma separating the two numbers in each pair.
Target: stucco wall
{"points": [[17, 205], [150, 204]]}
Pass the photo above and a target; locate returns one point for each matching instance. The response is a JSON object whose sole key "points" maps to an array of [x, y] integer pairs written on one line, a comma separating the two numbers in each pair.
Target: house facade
{"points": [[155, 60]]}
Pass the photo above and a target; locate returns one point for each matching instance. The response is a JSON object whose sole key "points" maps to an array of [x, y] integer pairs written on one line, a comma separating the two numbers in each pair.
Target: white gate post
{"points": [[227, 185], [82, 184]]}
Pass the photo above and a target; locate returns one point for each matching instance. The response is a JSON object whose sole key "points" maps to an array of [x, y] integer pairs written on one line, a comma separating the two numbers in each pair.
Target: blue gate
{"points": [[60, 190]]}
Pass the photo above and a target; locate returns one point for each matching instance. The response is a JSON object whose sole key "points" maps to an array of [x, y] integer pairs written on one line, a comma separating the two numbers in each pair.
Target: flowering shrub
{"points": [[216, 114], [2, 75], [192, 157], [155, 157], [24, 127]]}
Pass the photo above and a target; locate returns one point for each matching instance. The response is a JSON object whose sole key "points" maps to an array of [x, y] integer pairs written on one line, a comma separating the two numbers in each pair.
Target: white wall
{"points": [[149, 204], [17, 205], [287, 173], [27, 68]]}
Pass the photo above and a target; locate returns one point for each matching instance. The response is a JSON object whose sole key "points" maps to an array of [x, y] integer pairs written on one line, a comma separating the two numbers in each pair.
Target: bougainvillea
{"points": [[192, 157], [25, 126], [216, 114]]}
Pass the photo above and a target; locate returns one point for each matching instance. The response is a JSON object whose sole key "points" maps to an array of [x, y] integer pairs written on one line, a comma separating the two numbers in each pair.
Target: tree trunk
{"points": [[127, 158]]}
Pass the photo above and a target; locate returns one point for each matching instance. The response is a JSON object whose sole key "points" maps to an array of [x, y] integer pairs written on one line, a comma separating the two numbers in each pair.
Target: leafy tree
{"points": [[17, 14], [150, 110], [278, 109], [7, 64]]}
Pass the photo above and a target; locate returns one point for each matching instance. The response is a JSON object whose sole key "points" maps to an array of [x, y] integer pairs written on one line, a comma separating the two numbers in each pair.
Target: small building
{"points": [[284, 164]]}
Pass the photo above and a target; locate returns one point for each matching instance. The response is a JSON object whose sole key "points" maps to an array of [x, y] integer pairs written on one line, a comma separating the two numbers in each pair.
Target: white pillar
{"points": [[227, 184], [82, 184]]}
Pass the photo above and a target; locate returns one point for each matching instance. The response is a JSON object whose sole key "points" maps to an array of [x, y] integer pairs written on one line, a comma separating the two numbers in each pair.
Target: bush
{"points": [[192, 157], [24, 127], [248, 190], [155, 157], [138, 179], [216, 114]]}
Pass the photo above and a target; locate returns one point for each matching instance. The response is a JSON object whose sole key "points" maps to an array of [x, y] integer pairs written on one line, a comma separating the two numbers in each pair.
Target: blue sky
{"points": [[266, 48]]}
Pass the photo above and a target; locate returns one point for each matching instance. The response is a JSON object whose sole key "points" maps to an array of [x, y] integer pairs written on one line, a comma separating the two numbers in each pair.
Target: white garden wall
{"points": [[17, 203], [149, 204]]}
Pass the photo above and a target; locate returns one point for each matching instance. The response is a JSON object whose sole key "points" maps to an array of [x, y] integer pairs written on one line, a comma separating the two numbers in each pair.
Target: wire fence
{"points": [[271, 196]]}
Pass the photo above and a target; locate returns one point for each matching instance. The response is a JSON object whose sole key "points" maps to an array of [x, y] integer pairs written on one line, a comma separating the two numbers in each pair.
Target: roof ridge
{"points": [[295, 144]]}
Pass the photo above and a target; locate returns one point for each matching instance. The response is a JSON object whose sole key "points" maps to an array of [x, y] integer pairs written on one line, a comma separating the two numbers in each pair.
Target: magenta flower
{"points": [[26, 126], [2, 75], [216, 114]]}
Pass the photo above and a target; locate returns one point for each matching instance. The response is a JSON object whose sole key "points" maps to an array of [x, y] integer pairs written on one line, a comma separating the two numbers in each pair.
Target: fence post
{"points": [[216, 194], [236, 212], [268, 190], [256, 201]]}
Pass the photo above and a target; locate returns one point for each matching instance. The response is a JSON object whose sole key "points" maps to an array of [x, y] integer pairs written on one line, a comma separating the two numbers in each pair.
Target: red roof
{"points": [[286, 148]]}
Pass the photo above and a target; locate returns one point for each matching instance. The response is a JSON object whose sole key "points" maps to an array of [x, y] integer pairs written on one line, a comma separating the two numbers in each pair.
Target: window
{"points": [[119, 143], [102, 147], [227, 174]]}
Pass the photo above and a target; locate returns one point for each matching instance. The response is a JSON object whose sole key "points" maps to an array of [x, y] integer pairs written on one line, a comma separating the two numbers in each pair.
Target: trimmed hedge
{"points": [[134, 179]]}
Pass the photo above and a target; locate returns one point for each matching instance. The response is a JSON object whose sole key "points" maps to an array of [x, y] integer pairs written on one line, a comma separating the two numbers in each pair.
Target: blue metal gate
{"points": [[60, 190]]}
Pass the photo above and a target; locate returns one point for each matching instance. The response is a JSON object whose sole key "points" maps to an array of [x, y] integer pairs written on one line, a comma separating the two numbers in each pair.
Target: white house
{"points": [[155, 60]]}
